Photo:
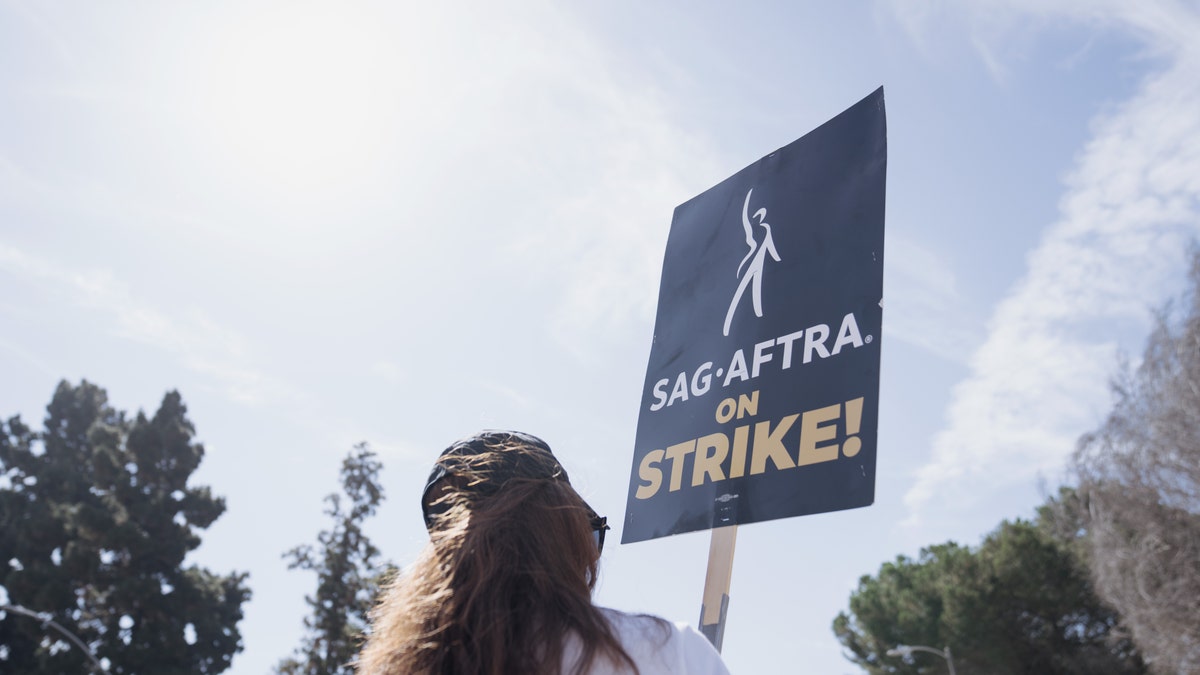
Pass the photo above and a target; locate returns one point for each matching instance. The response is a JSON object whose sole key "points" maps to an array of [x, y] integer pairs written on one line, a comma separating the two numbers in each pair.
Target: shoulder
{"points": [[660, 646]]}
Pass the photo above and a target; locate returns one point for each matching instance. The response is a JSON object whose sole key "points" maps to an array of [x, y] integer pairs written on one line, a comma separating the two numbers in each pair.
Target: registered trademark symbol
{"points": [[868, 339]]}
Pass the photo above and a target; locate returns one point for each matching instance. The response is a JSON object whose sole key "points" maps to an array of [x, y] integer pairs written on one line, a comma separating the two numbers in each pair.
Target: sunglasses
{"points": [[599, 527]]}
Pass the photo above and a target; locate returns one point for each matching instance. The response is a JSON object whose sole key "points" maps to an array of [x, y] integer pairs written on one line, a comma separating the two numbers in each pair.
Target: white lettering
{"points": [[787, 341], [701, 380], [680, 391], [814, 339], [695, 383], [759, 357], [660, 395], [737, 368], [847, 334]]}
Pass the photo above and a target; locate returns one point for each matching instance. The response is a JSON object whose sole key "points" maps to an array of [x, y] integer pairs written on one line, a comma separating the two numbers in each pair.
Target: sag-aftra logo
{"points": [[797, 347]]}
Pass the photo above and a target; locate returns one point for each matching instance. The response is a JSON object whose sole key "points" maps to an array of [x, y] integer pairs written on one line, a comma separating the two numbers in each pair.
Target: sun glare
{"points": [[303, 99]]}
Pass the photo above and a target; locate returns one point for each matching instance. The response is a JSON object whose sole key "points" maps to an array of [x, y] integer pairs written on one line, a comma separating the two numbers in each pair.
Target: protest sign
{"points": [[762, 390]]}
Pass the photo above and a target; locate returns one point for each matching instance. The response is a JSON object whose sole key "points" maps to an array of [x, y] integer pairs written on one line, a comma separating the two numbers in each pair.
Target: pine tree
{"points": [[348, 573], [1022, 602], [96, 520]]}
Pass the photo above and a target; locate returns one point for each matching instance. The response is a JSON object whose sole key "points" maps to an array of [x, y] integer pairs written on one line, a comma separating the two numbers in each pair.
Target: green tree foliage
{"points": [[1020, 603], [1139, 475], [96, 520], [348, 573]]}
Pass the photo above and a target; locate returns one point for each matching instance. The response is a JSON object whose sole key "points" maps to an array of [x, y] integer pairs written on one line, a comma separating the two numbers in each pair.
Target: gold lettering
{"points": [[812, 432], [676, 453], [769, 444], [648, 471], [710, 464], [747, 405], [737, 466], [725, 410]]}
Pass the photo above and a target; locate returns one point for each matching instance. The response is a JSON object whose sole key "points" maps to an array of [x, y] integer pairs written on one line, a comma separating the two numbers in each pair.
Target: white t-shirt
{"points": [[657, 647]]}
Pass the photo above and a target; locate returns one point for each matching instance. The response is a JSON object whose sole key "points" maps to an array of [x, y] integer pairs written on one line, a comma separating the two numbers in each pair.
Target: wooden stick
{"points": [[715, 605]]}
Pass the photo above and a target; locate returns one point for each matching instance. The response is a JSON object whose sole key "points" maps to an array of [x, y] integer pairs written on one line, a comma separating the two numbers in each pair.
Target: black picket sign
{"points": [[762, 391]]}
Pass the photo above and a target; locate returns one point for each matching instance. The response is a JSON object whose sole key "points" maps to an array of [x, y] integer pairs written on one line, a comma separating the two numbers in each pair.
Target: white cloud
{"points": [[1002, 30], [388, 448], [512, 395], [33, 17], [596, 159], [16, 184], [389, 371], [199, 343], [29, 358], [922, 303], [1039, 380]]}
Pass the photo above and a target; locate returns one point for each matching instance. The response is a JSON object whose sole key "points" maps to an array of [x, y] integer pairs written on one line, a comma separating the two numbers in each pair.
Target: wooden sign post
{"points": [[715, 605]]}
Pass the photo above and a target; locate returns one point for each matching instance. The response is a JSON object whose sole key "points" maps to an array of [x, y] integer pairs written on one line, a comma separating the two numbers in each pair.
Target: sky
{"points": [[325, 223]]}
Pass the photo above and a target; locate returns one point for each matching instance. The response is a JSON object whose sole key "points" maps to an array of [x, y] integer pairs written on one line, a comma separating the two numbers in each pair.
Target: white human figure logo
{"points": [[759, 252]]}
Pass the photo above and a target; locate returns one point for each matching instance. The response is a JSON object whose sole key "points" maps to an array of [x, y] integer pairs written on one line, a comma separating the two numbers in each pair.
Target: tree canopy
{"points": [[1139, 474], [97, 518], [349, 573], [1022, 602]]}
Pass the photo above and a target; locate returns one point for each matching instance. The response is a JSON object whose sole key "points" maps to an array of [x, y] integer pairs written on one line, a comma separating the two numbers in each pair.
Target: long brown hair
{"points": [[504, 582]]}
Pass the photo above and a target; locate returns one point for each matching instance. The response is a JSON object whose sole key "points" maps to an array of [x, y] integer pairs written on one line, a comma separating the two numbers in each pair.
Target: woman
{"points": [[504, 586]]}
